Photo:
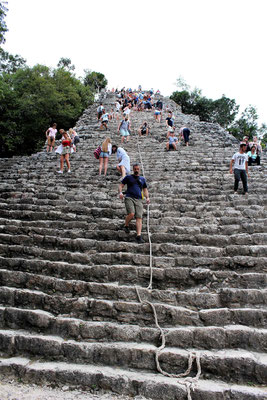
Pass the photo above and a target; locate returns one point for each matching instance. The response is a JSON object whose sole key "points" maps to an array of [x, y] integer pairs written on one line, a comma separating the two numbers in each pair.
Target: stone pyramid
{"points": [[70, 276]]}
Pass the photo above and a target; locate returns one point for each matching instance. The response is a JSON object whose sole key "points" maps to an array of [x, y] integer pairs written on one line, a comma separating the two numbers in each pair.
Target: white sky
{"points": [[217, 45]]}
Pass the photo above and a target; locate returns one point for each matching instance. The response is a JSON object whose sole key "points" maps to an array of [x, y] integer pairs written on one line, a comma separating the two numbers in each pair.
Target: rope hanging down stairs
{"points": [[189, 382]]}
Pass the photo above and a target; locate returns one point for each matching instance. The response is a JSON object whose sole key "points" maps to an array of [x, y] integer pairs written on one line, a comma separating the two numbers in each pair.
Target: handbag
{"points": [[97, 152]]}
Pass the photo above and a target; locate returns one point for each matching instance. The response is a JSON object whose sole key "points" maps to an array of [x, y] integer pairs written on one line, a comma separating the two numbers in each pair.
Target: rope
{"points": [[189, 382]]}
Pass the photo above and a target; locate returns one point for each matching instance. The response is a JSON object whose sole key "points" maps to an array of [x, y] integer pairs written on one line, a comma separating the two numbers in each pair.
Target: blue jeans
{"points": [[241, 174]]}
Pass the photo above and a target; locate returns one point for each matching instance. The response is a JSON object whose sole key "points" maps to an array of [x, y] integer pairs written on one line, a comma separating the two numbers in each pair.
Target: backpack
{"points": [[97, 152]]}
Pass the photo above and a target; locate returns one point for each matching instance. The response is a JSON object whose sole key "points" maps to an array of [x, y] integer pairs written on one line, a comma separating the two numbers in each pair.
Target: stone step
{"points": [[163, 277], [150, 385], [179, 235], [130, 312], [230, 365], [193, 299], [229, 336], [112, 246], [97, 257]]}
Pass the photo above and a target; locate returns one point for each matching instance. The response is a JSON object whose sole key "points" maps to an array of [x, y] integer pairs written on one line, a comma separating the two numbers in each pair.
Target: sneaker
{"points": [[68, 170], [235, 193], [139, 239], [126, 229], [60, 172]]}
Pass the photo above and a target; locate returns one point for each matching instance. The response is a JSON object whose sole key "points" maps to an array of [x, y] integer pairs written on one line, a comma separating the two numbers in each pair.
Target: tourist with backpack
{"points": [[136, 190]]}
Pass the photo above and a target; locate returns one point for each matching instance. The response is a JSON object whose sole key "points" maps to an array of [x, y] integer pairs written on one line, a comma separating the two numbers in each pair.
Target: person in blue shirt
{"points": [[172, 142], [136, 184]]}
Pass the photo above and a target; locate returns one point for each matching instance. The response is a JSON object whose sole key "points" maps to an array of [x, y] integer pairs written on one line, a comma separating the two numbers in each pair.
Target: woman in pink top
{"points": [[51, 137]]}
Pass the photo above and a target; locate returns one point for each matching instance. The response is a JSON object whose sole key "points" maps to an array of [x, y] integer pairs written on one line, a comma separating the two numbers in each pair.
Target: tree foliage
{"points": [[3, 27], [10, 63], [223, 110], [33, 98], [95, 80]]}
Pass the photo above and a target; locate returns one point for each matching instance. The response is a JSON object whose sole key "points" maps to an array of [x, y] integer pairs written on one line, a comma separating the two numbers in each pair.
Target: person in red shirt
{"points": [[66, 143]]}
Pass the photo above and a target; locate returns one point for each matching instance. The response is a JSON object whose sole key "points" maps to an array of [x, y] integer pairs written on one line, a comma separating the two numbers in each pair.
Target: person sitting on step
{"points": [[172, 142], [124, 160], [253, 157], [144, 129], [136, 188]]}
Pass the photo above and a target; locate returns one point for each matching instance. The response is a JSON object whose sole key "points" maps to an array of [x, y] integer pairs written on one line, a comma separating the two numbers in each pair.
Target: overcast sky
{"points": [[218, 46]]}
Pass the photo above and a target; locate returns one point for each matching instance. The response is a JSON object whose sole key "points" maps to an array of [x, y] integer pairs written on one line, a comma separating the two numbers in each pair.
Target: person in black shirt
{"points": [[136, 187]]}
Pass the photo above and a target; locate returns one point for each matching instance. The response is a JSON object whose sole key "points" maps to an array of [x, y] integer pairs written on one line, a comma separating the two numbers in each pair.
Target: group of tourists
{"points": [[69, 141], [249, 154], [127, 100]]}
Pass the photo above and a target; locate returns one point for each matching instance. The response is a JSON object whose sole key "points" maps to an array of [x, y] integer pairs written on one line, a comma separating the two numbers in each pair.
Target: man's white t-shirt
{"points": [[240, 160]]}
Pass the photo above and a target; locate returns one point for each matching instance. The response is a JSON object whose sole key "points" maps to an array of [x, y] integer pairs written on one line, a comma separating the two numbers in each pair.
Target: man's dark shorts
{"points": [[134, 206]]}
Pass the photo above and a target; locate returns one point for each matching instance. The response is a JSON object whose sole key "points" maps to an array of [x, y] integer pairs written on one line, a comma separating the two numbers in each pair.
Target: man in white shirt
{"points": [[240, 162]]}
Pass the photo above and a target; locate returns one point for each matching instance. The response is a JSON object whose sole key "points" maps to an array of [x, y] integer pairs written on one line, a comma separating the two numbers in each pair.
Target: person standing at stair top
{"points": [[51, 137], [66, 143], [133, 200], [124, 160], [100, 109], [240, 162], [184, 133], [106, 151], [123, 128]]}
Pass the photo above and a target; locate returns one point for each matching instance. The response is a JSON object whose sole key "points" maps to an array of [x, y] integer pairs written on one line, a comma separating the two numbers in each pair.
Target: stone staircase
{"points": [[69, 309]]}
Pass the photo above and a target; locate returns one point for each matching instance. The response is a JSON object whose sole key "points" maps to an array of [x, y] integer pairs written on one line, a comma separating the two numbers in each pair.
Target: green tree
{"points": [[33, 98], [3, 27], [95, 80], [66, 64], [246, 125], [222, 111], [10, 63]]}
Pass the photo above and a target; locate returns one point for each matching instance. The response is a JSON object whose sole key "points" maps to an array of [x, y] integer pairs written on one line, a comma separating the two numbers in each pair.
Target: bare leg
{"points": [[167, 146], [100, 165], [61, 162], [67, 157], [128, 218], [138, 226], [105, 165]]}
